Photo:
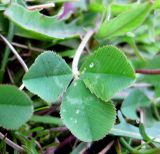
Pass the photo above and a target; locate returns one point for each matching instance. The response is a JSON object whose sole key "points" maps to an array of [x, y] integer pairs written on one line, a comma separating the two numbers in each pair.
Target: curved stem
{"points": [[80, 51], [134, 151], [15, 53], [126, 145], [11, 143], [132, 43], [143, 133]]}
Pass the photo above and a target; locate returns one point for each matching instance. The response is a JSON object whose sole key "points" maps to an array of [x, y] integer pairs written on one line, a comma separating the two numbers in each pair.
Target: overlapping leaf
{"points": [[87, 117], [39, 26], [15, 107], [106, 72], [125, 22], [134, 101], [48, 77]]}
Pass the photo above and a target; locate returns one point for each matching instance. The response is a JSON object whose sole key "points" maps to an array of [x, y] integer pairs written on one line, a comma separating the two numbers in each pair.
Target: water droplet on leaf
{"points": [[91, 65], [75, 84], [75, 121], [77, 111]]}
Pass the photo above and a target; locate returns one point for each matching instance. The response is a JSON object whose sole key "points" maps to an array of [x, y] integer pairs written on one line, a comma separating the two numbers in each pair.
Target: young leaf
{"points": [[133, 101], [15, 107], [125, 22], [106, 72], [48, 77], [38, 25], [88, 118]]}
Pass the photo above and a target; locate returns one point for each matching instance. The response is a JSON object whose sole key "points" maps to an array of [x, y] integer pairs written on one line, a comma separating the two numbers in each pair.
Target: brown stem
{"points": [[148, 71]]}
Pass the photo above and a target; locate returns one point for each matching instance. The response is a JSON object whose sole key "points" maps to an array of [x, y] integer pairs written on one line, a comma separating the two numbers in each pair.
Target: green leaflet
{"points": [[106, 72], [87, 117], [48, 77], [133, 101], [39, 26], [125, 22], [15, 107]]}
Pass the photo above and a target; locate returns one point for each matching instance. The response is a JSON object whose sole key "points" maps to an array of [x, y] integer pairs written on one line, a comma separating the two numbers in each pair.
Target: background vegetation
{"points": [[79, 76]]}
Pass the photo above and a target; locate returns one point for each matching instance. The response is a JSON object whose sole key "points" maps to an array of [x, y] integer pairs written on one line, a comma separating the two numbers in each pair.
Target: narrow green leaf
{"points": [[125, 22], [125, 129], [46, 120], [48, 77], [39, 26], [118, 8], [134, 100], [106, 72], [87, 117], [15, 107]]}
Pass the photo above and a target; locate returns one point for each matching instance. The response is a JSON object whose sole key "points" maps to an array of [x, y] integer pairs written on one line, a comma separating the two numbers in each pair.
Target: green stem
{"points": [[135, 49], [145, 144], [143, 133], [134, 151], [126, 145], [7, 51]]}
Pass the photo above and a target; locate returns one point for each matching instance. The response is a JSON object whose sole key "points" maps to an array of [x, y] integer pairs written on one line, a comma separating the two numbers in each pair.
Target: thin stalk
{"points": [[134, 151], [11, 143], [21, 61], [132, 43], [143, 133], [126, 145], [22, 46], [42, 6], [15, 53], [118, 147], [105, 150], [80, 51], [148, 71], [146, 143]]}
